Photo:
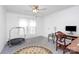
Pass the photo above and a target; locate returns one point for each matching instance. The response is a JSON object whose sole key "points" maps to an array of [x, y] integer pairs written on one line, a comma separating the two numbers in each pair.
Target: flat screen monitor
{"points": [[71, 28]]}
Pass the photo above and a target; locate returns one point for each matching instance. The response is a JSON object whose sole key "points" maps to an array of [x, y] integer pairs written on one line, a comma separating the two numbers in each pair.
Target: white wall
{"points": [[60, 19], [2, 28], [13, 21]]}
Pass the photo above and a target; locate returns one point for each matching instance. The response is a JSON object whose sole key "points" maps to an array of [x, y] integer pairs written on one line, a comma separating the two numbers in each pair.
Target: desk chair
{"points": [[61, 41], [51, 37]]}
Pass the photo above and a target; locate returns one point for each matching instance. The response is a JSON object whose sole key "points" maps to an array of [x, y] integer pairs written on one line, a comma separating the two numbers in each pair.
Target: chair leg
{"points": [[64, 50], [53, 41], [56, 47], [48, 39]]}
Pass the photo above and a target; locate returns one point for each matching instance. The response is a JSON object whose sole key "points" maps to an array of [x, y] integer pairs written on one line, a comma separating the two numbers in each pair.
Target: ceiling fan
{"points": [[36, 8]]}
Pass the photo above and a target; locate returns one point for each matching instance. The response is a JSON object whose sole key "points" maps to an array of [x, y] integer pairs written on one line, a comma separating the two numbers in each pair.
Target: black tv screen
{"points": [[70, 28]]}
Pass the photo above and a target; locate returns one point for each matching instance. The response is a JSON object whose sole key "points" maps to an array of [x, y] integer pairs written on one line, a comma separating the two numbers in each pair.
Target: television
{"points": [[71, 28]]}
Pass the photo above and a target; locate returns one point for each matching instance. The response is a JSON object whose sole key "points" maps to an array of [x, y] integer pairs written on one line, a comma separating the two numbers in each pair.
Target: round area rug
{"points": [[34, 50]]}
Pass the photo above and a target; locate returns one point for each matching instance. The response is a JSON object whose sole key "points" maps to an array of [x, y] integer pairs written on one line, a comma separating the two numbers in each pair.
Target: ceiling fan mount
{"points": [[35, 7]]}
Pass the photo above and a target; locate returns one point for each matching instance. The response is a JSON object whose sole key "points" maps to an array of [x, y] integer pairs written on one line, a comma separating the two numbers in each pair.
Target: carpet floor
{"points": [[36, 41]]}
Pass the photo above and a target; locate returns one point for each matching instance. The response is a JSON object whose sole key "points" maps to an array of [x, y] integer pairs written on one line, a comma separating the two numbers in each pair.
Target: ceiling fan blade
{"points": [[43, 9]]}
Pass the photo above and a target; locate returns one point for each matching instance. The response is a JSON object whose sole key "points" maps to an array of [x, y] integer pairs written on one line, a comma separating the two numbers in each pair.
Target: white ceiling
{"points": [[27, 9]]}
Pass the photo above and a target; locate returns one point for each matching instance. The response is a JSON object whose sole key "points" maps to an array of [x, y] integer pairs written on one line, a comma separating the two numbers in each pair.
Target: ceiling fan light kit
{"points": [[35, 11], [35, 8]]}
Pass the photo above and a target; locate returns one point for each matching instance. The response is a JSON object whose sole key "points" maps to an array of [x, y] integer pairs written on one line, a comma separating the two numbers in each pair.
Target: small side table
{"points": [[51, 37]]}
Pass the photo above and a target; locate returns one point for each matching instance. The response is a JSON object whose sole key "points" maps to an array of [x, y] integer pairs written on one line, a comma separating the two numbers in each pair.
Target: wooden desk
{"points": [[74, 46], [71, 37], [60, 36]]}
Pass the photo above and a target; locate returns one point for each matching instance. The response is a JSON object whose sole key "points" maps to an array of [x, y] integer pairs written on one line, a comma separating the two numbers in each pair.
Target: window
{"points": [[28, 24]]}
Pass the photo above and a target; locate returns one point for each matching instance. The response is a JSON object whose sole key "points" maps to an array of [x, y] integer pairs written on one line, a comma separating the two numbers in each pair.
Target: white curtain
{"points": [[29, 25]]}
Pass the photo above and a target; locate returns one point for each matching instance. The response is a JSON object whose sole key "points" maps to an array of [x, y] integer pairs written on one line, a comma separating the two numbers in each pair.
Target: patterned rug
{"points": [[34, 50]]}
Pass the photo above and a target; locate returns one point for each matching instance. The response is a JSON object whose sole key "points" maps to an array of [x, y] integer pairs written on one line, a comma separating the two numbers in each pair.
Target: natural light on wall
{"points": [[29, 25], [23, 23]]}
